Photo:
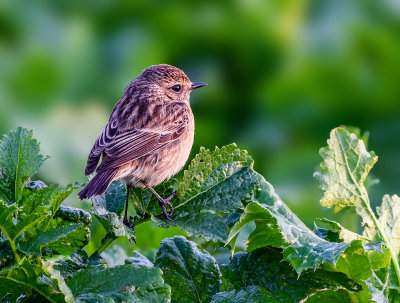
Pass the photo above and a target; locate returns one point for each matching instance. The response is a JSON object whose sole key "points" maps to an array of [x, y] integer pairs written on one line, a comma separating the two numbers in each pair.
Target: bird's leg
{"points": [[163, 202], [126, 221]]}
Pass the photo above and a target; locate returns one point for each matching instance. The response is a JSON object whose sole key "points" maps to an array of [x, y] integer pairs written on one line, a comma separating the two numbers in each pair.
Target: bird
{"points": [[148, 137]]}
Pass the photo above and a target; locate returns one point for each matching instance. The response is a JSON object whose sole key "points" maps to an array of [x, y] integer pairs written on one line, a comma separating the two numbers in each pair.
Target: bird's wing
{"points": [[106, 136], [137, 142]]}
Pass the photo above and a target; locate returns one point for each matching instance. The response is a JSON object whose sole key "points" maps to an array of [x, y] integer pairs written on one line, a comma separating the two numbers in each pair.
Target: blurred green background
{"points": [[281, 74]]}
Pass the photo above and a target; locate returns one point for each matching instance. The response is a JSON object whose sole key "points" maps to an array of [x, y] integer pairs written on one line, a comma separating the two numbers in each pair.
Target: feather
{"points": [[98, 185], [106, 136], [136, 143]]}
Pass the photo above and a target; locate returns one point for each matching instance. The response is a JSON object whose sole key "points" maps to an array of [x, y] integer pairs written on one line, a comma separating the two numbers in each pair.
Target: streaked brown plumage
{"points": [[149, 134]]}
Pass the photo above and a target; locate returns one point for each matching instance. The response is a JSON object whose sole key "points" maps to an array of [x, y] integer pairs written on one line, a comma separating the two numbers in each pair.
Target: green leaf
{"points": [[333, 296], [393, 285], [65, 218], [193, 274], [223, 190], [389, 220], [346, 166], [139, 260], [302, 248], [31, 279], [123, 297], [355, 263], [19, 160], [7, 224], [379, 256], [104, 208], [267, 232], [14, 221], [24, 210], [377, 289], [277, 226], [71, 214], [67, 231], [59, 229], [359, 265], [222, 193], [30, 225], [96, 283], [343, 173], [333, 231], [92, 280], [205, 163], [206, 224], [126, 283], [263, 274], [79, 260], [49, 197], [249, 294], [114, 197], [215, 184]]}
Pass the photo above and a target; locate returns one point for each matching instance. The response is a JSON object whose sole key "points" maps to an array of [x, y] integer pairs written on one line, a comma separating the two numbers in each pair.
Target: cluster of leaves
{"points": [[33, 223], [219, 196]]}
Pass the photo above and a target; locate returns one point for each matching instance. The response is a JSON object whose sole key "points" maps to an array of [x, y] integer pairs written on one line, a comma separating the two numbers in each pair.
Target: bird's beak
{"points": [[198, 84]]}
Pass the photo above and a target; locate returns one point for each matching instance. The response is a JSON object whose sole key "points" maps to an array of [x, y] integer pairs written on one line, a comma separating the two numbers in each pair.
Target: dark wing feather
{"points": [[106, 136], [135, 143]]}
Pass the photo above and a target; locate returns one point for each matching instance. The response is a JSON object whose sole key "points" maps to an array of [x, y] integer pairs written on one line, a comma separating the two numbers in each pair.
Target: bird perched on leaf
{"points": [[148, 136]]}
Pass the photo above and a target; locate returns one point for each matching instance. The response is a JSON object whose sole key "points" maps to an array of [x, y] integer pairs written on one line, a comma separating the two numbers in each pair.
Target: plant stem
{"points": [[12, 245], [14, 250], [107, 240]]}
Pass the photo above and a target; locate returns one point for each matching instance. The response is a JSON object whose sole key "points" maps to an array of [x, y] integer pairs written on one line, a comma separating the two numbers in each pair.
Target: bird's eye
{"points": [[176, 88]]}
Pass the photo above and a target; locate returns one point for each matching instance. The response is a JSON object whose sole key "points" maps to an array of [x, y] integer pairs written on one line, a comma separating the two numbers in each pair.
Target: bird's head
{"points": [[170, 81]]}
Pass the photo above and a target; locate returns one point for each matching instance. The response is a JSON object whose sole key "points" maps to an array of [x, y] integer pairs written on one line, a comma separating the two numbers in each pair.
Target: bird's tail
{"points": [[98, 185]]}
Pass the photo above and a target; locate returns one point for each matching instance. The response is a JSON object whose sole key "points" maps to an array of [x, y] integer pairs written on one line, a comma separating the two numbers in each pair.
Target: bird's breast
{"points": [[163, 163]]}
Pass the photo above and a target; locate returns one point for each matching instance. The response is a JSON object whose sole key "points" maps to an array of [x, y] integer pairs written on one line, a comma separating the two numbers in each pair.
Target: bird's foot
{"points": [[127, 222], [164, 203]]}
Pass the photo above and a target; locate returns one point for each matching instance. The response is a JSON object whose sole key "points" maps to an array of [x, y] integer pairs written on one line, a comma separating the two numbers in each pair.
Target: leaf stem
{"points": [[12, 245], [107, 240], [14, 250]]}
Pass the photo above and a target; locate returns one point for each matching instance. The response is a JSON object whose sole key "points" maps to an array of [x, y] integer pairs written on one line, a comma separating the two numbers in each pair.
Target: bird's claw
{"points": [[164, 203]]}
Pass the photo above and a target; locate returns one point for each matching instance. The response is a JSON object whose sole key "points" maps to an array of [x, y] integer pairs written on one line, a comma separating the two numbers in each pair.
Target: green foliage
{"points": [[218, 197], [214, 185], [108, 209], [343, 173], [91, 280], [31, 224], [193, 274], [259, 275], [101, 284], [277, 226], [202, 173], [139, 260], [19, 160], [30, 278], [389, 221]]}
